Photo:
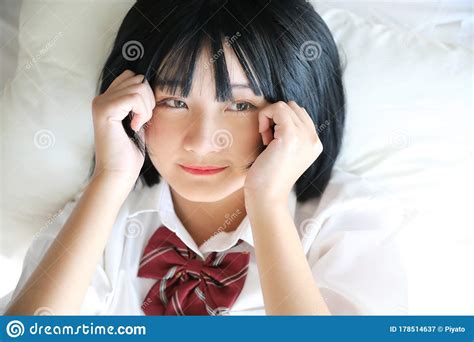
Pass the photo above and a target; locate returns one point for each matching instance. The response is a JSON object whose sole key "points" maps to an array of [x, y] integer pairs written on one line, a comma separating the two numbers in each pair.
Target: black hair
{"points": [[285, 48]]}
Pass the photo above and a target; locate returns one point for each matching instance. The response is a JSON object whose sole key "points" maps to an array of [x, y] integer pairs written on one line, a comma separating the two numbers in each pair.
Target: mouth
{"points": [[202, 170]]}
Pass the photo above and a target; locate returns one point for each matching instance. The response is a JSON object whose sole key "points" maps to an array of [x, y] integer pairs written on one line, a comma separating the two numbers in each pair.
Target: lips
{"points": [[202, 170]]}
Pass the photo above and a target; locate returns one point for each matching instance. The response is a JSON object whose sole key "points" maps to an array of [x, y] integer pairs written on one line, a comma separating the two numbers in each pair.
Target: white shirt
{"points": [[347, 236]]}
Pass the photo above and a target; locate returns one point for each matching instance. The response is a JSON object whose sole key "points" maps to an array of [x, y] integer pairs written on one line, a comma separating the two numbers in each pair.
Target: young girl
{"points": [[213, 190]]}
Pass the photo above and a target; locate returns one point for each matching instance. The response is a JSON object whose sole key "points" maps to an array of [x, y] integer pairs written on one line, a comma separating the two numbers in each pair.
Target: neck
{"points": [[204, 219]]}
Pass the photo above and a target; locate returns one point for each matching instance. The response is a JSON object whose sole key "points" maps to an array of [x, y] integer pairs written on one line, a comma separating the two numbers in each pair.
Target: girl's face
{"points": [[199, 131]]}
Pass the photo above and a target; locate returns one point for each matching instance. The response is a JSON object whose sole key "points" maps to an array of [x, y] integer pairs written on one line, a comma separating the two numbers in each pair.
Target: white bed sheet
{"points": [[433, 220]]}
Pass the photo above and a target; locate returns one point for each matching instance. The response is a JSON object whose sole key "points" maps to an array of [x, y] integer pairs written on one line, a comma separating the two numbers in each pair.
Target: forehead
{"points": [[204, 77], [205, 70]]}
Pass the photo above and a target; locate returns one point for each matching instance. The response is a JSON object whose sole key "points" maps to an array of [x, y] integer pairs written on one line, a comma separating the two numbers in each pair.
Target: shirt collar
{"points": [[157, 198]]}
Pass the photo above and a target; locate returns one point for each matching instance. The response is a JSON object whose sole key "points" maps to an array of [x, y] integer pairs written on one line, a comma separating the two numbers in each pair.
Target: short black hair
{"points": [[285, 48]]}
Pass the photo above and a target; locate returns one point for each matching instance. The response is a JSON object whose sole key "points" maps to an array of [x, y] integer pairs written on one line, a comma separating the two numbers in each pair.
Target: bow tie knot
{"points": [[194, 267], [185, 284]]}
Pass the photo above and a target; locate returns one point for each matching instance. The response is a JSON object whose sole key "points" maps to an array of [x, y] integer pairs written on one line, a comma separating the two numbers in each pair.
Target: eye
{"points": [[172, 103], [241, 106]]}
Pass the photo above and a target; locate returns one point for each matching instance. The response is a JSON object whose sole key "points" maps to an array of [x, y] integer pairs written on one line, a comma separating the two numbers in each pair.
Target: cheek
{"points": [[248, 140], [160, 138], [163, 140], [251, 134]]}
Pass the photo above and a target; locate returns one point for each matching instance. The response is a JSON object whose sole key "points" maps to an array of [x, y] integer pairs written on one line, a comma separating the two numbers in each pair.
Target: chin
{"points": [[206, 191]]}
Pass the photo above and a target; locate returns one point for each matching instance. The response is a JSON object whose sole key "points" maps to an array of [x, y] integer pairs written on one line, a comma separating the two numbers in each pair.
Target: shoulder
{"points": [[349, 201], [139, 198], [350, 238]]}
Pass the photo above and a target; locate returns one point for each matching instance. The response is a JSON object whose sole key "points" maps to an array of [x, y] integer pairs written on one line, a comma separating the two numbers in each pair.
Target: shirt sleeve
{"points": [[95, 297], [355, 258]]}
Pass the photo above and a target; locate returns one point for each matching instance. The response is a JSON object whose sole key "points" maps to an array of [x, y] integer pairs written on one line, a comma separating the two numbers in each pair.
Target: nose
{"points": [[205, 136]]}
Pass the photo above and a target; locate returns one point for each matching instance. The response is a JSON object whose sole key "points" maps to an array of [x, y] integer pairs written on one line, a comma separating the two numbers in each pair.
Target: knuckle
{"points": [[280, 105], [109, 119], [96, 101], [318, 147], [140, 87], [138, 77], [131, 97]]}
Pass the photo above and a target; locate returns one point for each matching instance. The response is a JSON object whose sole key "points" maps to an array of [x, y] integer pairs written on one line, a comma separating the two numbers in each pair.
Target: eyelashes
{"points": [[164, 102], [249, 106], [174, 103]]}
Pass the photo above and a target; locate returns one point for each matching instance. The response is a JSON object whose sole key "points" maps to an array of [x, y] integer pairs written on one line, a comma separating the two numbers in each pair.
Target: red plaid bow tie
{"points": [[187, 285]]}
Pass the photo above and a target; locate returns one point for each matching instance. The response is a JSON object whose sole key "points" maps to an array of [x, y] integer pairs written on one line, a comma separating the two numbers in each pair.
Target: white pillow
{"points": [[449, 21], [407, 130], [47, 132]]}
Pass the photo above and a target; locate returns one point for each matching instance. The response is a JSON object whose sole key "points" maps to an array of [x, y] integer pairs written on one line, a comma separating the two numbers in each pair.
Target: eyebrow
{"points": [[172, 83], [242, 85], [175, 82]]}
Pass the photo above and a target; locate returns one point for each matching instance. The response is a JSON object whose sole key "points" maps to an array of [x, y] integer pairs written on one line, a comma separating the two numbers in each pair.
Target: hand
{"points": [[115, 152], [288, 155]]}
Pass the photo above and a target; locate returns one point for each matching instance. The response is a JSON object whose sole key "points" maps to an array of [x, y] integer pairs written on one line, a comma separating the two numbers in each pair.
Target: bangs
{"points": [[285, 49], [211, 30]]}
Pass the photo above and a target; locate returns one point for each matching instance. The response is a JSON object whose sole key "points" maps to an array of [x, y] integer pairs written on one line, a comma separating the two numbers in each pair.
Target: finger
{"points": [[122, 77], [285, 113], [300, 113], [140, 88], [310, 119], [268, 115], [148, 93], [149, 98], [139, 112], [126, 103], [133, 101], [137, 79], [141, 134], [267, 136], [279, 113], [145, 90], [151, 95], [264, 127]]}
